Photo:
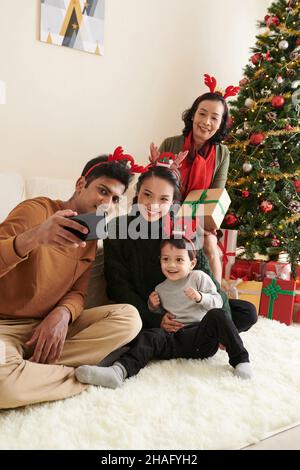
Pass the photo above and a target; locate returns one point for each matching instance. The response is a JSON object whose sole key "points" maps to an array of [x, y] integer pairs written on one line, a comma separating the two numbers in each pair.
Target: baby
{"points": [[190, 298]]}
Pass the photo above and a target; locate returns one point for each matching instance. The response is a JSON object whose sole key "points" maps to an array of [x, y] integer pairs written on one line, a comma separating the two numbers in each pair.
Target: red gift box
{"points": [[296, 311], [277, 300], [258, 269], [298, 276], [253, 270], [241, 270]]}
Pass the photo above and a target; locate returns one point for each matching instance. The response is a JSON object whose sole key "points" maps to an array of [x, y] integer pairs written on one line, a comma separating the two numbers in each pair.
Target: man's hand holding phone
{"points": [[95, 223], [54, 231], [65, 229]]}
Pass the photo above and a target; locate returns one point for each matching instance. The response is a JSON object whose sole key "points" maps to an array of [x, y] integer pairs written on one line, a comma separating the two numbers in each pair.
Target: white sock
{"points": [[110, 377], [243, 370]]}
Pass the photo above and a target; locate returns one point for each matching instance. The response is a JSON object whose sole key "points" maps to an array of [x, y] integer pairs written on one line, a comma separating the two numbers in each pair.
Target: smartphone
{"points": [[95, 223]]}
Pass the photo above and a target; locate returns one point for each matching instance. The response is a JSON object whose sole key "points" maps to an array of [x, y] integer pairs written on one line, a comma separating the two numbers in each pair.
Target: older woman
{"points": [[207, 162]]}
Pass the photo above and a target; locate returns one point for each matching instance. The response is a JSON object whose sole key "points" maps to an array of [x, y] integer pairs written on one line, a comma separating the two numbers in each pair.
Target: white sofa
{"points": [[14, 189]]}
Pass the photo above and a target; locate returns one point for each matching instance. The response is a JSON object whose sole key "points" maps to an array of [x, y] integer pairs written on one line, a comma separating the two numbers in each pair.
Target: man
{"points": [[44, 269]]}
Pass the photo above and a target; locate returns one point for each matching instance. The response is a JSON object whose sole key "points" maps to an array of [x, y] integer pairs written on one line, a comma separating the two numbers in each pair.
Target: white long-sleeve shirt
{"points": [[174, 300]]}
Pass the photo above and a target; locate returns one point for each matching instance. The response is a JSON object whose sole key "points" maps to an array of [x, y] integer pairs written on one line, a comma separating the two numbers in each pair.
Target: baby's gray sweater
{"points": [[174, 300]]}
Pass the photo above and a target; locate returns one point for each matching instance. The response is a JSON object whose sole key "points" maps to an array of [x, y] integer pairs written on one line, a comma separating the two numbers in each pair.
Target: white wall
{"points": [[65, 106]]}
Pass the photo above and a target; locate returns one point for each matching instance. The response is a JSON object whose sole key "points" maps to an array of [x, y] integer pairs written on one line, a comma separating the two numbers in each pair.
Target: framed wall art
{"points": [[78, 24]]}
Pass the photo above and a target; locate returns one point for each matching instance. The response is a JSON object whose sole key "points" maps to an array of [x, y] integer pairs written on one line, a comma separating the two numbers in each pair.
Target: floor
{"points": [[286, 440]]}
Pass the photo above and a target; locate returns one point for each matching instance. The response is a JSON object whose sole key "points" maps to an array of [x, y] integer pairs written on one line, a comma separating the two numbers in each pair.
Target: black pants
{"points": [[243, 314], [197, 340]]}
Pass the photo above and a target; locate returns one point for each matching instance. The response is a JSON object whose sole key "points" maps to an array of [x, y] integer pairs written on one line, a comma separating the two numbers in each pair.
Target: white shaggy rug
{"points": [[178, 404]]}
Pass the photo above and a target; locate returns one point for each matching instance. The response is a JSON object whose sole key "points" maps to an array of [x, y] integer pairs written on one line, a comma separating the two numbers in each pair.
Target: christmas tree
{"points": [[264, 173]]}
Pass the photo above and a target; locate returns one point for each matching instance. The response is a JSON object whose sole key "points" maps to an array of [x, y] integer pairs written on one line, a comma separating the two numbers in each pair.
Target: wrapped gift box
{"points": [[250, 269], [277, 300], [243, 290], [275, 269], [258, 268], [296, 309], [241, 269], [210, 205], [298, 276], [227, 246], [250, 291]]}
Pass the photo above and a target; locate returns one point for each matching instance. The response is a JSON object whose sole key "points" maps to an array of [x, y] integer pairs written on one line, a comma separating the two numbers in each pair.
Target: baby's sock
{"points": [[110, 377], [243, 370]]}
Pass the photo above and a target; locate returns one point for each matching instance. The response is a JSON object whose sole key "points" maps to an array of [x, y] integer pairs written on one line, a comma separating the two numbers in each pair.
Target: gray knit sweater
{"points": [[174, 300]]}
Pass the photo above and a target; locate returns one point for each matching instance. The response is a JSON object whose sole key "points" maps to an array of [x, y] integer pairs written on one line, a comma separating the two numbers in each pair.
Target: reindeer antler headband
{"points": [[166, 159], [118, 156], [211, 82]]}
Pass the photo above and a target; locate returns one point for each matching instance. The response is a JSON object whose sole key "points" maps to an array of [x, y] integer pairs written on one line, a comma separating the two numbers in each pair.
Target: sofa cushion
{"points": [[53, 188], [12, 192]]}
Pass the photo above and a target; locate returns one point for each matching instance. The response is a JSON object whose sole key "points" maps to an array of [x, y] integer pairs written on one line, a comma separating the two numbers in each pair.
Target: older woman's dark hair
{"points": [[188, 116], [163, 173]]}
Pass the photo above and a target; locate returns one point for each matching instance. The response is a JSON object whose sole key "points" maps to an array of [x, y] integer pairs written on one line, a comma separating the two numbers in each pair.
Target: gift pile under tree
{"points": [[264, 175]]}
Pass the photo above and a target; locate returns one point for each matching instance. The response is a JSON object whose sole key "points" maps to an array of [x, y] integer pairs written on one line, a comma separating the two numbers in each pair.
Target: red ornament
{"points": [[297, 186], [230, 122], [275, 242], [266, 206], [271, 20], [256, 58], [298, 42], [257, 139], [245, 193], [230, 220], [277, 101], [288, 127]]}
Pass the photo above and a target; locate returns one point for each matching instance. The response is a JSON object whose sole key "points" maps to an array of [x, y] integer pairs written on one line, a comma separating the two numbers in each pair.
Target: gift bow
{"points": [[202, 200], [273, 290]]}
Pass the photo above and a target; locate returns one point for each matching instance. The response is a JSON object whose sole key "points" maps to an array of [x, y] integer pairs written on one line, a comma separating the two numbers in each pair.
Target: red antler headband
{"points": [[211, 82], [166, 159], [119, 155]]}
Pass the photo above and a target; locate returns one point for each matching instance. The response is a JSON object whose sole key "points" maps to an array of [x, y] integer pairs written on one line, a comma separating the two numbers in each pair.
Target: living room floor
{"points": [[286, 440]]}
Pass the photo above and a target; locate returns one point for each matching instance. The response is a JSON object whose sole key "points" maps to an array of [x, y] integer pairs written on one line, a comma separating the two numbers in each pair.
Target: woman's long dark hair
{"points": [[189, 114]]}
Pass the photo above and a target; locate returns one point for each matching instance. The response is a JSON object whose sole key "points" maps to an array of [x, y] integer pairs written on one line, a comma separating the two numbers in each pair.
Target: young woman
{"points": [[207, 162], [131, 261]]}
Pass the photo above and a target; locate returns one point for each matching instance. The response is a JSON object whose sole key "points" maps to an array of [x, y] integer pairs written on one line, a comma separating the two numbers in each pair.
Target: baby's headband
{"points": [[211, 82]]}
